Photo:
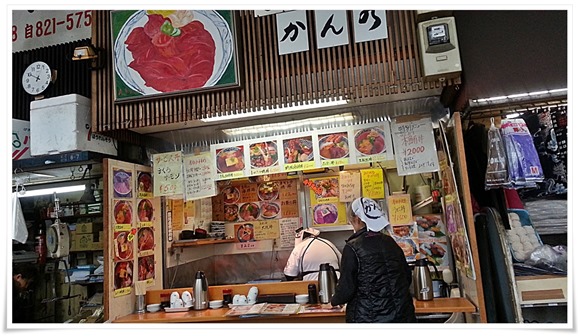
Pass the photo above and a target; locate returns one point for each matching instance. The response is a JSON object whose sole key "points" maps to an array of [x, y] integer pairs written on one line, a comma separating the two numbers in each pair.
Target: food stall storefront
{"points": [[214, 199]]}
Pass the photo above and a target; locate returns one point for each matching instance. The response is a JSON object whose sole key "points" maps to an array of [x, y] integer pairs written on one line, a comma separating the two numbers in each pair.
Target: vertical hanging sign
{"points": [[199, 176], [414, 141], [167, 178], [292, 29], [331, 28], [369, 25]]}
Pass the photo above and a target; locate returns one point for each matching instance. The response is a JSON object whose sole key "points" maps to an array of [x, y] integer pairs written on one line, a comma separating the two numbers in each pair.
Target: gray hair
{"points": [[350, 215]]}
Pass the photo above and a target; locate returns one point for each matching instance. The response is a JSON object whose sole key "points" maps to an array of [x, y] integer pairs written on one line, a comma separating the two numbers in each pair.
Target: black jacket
{"points": [[375, 280]]}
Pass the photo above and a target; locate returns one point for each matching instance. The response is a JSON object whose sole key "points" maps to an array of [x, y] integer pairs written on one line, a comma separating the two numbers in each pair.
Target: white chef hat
{"points": [[300, 234], [370, 212]]}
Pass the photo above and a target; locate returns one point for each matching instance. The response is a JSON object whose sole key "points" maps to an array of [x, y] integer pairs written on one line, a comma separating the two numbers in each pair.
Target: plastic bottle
{"points": [[40, 245]]}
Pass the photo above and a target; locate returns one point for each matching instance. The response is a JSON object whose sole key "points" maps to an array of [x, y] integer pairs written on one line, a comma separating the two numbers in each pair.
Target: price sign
{"points": [[399, 209], [373, 185], [415, 146], [168, 178], [199, 176]]}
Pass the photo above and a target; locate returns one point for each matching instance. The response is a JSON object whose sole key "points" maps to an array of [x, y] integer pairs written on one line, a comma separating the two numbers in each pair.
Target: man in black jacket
{"points": [[375, 276]]}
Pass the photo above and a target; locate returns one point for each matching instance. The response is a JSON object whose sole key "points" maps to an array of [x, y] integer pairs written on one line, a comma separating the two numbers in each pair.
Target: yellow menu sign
{"points": [[373, 185], [268, 229], [400, 209]]}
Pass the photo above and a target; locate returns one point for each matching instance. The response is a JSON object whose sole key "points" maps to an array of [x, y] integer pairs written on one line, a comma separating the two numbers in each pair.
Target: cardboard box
{"points": [[86, 242], [63, 124], [20, 139], [88, 227]]}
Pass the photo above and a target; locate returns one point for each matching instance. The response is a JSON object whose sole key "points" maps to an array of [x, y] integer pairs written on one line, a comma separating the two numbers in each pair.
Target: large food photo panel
{"points": [[160, 52]]}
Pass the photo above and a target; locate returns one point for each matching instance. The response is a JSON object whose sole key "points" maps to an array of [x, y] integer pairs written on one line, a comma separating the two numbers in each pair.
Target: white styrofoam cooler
{"points": [[63, 124]]}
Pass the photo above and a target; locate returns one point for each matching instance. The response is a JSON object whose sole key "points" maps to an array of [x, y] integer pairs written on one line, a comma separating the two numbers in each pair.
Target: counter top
{"points": [[437, 305]]}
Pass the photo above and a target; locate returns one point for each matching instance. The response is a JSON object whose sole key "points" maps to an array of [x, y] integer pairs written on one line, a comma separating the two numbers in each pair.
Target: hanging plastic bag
{"points": [[523, 161], [496, 174], [19, 230]]}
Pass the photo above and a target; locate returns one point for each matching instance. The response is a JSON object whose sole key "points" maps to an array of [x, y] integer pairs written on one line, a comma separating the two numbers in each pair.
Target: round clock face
{"points": [[36, 78], [52, 240]]}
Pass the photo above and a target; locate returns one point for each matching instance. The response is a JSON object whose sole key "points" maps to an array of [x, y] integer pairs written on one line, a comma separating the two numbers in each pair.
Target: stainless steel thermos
{"points": [[422, 283], [327, 281], [200, 291]]}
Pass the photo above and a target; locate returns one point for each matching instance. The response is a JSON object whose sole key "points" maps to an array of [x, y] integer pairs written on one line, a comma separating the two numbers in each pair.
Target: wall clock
{"points": [[36, 78]]}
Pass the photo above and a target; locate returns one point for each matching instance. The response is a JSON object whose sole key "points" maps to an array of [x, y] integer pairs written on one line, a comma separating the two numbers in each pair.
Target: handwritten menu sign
{"points": [[199, 173], [373, 185], [288, 195], [288, 228], [415, 146], [168, 179], [399, 209], [177, 214], [267, 229], [349, 186]]}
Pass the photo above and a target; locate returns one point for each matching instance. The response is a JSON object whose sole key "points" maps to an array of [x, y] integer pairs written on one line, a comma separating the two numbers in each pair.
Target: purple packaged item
{"points": [[523, 161]]}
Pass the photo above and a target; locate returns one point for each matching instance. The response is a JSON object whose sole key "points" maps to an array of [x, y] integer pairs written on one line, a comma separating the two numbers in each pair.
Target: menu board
{"points": [[288, 228], [327, 209], [249, 202], [266, 230], [199, 176], [373, 183], [415, 143], [168, 177]]}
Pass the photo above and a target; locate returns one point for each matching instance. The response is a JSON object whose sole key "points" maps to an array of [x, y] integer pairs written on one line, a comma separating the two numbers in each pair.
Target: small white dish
{"points": [[154, 307], [176, 310]]}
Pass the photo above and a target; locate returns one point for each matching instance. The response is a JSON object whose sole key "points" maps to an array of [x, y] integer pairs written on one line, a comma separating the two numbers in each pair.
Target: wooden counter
{"points": [[438, 305]]}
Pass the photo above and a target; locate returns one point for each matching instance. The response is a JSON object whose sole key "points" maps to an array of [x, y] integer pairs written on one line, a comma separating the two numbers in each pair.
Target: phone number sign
{"points": [[42, 28]]}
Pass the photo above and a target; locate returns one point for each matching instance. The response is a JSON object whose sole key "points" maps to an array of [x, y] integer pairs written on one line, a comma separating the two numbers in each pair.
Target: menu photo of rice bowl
{"points": [[269, 210], [249, 211], [162, 51], [122, 183], [263, 154], [325, 214], [333, 146], [230, 159], [370, 141]]}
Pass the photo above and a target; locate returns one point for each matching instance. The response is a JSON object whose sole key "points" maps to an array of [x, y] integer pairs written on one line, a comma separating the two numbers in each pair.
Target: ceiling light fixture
{"points": [[50, 191], [293, 108], [313, 122], [521, 95]]}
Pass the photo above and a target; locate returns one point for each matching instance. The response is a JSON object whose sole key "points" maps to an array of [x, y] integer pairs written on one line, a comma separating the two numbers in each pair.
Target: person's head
{"points": [[366, 212], [23, 275]]}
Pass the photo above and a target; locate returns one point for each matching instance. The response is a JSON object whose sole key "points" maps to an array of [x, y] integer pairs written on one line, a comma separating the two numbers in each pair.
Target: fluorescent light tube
{"points": [[50, 191]]}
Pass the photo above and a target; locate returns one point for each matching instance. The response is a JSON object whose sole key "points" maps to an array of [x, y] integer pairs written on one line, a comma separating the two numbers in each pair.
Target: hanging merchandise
{"points": [[496, 175], [523, 162]]}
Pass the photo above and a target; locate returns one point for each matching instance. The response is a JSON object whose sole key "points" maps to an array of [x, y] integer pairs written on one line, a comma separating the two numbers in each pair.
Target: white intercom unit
{"points": [[439, 48]]}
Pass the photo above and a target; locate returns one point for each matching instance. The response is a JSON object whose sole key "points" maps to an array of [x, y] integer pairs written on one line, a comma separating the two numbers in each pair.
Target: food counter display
{"points": [[435, 306]]}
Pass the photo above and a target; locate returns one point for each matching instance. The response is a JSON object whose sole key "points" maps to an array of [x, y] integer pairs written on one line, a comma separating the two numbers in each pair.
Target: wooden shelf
{"points": [[199, 242]]}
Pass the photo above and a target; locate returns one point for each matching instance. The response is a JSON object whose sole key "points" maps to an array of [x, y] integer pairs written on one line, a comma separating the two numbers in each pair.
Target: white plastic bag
{"points": [[19, 230]]}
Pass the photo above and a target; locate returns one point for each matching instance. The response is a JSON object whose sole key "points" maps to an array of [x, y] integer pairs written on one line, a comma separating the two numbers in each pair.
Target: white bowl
{"points": [[216, 304], [154, 307], [301, 298]]}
